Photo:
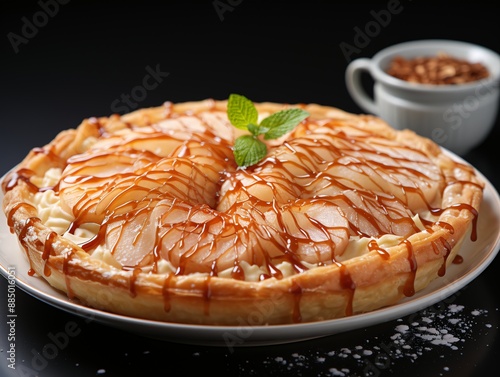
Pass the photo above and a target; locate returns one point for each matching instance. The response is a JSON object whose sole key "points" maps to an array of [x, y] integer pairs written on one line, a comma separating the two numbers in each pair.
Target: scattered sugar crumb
{"points": [[455, 308], [430, 330], [281, 360], [402, 328], [336, 372]]}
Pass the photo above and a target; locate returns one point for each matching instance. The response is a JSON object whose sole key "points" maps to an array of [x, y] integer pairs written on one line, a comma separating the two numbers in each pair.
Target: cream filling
{"points": [[55, 217]]}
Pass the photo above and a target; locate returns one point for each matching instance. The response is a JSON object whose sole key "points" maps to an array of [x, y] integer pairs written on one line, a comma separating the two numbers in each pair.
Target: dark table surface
{"points": [[63, 61]]}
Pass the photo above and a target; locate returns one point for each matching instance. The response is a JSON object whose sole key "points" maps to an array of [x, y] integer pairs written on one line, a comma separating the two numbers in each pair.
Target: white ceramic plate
{"points": [[476, 257]]}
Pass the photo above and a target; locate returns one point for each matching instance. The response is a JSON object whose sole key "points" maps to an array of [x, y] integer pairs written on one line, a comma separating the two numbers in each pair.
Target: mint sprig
{"points": [[242, 113]]}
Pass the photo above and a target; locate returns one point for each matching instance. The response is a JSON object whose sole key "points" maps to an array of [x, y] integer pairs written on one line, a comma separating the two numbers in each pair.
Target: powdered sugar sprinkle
{"points": [[429, 330]]}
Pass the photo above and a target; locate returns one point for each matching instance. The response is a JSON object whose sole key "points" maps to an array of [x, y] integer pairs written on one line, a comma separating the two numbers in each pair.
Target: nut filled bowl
{"points": [[445, 90]]}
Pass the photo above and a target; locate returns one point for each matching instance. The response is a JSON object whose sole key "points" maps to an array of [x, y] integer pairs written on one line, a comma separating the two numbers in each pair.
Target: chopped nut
{"points": [[419, 69], [441, 69], [447, 71]]}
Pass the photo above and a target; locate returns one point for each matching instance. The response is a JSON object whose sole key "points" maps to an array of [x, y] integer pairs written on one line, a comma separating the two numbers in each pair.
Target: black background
{"points": [[83, 57]]}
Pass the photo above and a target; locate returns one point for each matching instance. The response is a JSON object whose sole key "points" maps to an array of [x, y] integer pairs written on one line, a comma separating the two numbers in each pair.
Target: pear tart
{"points": [[148, 215]]}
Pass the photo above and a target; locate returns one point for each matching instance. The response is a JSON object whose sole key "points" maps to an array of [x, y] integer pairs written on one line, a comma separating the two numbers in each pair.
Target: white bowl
{"points": [[458, 117]]}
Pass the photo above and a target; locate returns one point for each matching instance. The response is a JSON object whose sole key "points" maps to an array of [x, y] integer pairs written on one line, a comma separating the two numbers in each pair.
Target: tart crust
{"points": [[357, 285]]}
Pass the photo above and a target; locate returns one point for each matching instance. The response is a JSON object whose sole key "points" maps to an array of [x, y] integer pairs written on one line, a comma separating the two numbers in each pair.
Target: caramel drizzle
{"points": [[409, 286], [22, 238], [166, 293], [67, 259], [134, 274], [296, 291], [13, 178], [207, 294], [460, 207], [13, 210], [348, 285], [351, 152], [448, 248], [47, 252], [373, 246]]}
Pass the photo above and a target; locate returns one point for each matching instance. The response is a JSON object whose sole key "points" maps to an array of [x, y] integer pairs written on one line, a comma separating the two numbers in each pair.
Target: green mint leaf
{"points": [[257, 130], [254, 129], [248, 150], [282, 122], [241, 111]]}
